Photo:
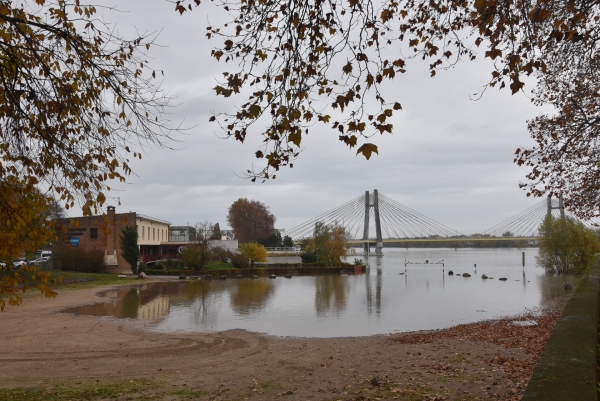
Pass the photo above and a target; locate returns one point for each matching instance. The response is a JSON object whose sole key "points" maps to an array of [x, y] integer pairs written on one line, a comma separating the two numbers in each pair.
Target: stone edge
{"points": [[567, 369]]}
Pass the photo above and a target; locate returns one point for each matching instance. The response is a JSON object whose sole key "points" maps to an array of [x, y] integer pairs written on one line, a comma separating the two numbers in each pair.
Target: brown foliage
{"points": [[250, 220], [531, 339], [74, 98], [297, 57], [27, 220]]}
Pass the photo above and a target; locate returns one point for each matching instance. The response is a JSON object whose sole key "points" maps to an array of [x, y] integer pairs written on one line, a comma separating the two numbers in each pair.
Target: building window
{"points": [[93, 233], [153, 237], [143, 232]]}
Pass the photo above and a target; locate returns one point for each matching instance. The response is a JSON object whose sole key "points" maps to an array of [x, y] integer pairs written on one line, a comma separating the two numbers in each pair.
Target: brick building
{"points": [[102, 232]]}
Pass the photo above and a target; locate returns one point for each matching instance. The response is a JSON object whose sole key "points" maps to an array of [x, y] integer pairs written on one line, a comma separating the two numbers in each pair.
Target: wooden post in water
{"points": [[523, 255]]}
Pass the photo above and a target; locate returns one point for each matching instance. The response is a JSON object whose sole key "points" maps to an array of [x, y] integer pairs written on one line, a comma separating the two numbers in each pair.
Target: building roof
{"points": [[144, 217]]}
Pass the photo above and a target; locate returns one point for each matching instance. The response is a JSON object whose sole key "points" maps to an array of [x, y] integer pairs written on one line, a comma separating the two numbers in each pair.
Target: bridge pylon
{"points": [[561, 206], [375, 205]]}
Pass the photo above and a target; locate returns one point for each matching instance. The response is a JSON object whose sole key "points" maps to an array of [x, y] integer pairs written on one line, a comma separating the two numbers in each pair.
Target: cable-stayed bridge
{"points": [[397, 223]]}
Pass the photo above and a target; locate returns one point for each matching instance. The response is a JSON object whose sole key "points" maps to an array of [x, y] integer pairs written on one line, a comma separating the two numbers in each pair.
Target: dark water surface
{"points": [[380, 302]]}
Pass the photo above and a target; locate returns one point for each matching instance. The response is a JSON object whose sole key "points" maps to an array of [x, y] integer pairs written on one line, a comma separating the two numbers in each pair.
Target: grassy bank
{"points": [[67, 280], [92, 390]]}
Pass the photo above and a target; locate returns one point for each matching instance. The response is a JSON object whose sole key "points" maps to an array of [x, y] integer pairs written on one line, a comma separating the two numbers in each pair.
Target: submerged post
{"points": [[523, 254], [379, 246]]}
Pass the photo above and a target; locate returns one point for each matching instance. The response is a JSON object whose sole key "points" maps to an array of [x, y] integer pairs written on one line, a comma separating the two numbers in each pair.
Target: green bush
{"points": [[308, 258], [239, 261], [160, 266], [141, 267], [566, 245], [76, 259]]}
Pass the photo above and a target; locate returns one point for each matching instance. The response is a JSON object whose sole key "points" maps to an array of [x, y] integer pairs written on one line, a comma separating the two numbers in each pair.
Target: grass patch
{"points": [[99, 279], [125, 389], [214, 266]]}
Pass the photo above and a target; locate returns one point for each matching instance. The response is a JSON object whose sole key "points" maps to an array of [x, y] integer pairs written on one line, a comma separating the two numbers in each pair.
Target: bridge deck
{"points": [[361, 241]]}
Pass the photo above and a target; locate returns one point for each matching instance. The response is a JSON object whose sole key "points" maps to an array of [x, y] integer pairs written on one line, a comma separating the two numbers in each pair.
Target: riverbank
{"points": [[57, 356]]}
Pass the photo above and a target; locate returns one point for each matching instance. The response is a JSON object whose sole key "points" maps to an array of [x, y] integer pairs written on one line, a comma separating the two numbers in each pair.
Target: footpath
{"points": [[568, 367]]}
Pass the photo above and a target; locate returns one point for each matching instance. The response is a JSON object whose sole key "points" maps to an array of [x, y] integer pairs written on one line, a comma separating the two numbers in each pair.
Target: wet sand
{"points": [[479, 361]]}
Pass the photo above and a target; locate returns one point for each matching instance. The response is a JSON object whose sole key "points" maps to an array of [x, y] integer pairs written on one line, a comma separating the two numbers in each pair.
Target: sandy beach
{"points": [[44, 350]]}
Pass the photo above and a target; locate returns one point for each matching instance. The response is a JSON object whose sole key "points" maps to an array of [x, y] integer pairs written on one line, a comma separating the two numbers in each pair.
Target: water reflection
{"points": [[330, 294], [417, 298], [249, 296]]}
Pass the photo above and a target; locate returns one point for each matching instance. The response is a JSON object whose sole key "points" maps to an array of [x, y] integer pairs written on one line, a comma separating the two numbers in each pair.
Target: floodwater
{"points": [[380, 302]]}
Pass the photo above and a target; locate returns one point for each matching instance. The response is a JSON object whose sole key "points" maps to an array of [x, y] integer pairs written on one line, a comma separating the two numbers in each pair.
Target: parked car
{"points": [[39, 260], [17, 264]]}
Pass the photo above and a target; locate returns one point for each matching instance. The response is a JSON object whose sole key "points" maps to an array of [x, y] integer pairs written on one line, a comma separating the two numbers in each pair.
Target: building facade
{"points": [[103, 233]]}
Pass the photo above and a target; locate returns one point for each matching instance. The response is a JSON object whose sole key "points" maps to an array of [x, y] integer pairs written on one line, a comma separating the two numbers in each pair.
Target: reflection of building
{"points": [[156, 308]]}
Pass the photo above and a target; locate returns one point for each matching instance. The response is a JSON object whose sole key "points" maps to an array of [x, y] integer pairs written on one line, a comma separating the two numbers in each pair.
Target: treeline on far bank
{"points": [[491, 243]]}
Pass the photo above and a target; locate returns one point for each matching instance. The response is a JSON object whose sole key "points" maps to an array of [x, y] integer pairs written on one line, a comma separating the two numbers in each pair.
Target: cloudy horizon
{"points": [[450, 157]]}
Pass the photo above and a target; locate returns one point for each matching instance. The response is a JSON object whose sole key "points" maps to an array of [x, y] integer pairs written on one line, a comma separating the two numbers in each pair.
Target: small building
{"points": [[182, 234], [103, 232]]}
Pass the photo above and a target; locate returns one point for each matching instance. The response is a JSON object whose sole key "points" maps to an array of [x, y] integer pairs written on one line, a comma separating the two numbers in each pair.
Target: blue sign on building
{"points": [[74, 240]]}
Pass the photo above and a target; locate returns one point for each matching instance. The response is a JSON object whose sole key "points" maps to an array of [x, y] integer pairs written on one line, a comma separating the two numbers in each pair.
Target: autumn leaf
{"points": [[367, 149], [295, 138]]}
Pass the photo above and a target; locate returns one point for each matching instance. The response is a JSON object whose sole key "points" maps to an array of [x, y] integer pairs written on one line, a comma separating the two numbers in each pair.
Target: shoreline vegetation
{"points": [[488, 360]]}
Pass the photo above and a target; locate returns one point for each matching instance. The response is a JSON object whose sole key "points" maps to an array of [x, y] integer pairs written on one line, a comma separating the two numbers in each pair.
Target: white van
{"points": [[43, 254]]}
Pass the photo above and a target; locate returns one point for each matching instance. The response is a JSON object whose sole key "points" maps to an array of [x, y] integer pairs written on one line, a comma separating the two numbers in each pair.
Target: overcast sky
{"points": [[449, 158]]}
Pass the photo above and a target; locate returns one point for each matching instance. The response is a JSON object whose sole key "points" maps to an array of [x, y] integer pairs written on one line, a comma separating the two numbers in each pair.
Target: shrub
{"points": [[160, 266], [566, 245], [308, 258], [73, 258], [141, 267], [221, 254], [239, 261]]}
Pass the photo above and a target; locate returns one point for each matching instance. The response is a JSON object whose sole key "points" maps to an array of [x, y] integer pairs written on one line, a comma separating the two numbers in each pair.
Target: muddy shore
{"points": [[42, 348]]}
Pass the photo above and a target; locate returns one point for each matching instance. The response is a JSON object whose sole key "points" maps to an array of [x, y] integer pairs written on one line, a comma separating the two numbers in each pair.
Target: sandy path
{"points": [[41, 346]]}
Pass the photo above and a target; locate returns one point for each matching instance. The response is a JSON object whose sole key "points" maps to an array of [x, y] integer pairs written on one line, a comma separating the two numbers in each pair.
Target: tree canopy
{"points": [[255, 252], [328, 244], [76, 103], [303, 63], [250, 220], [76, 100], [129, 247], [566, 245]]}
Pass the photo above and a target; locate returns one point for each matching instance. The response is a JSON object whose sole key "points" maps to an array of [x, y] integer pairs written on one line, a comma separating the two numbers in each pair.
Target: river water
{"points": [[395, 296]]}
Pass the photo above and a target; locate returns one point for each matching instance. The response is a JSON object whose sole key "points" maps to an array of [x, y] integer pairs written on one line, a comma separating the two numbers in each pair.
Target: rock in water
{"points": [[450, 273], [502, 279], [567, 286], [142, 276], [182, 277], [466, 275], [483, 276]]}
